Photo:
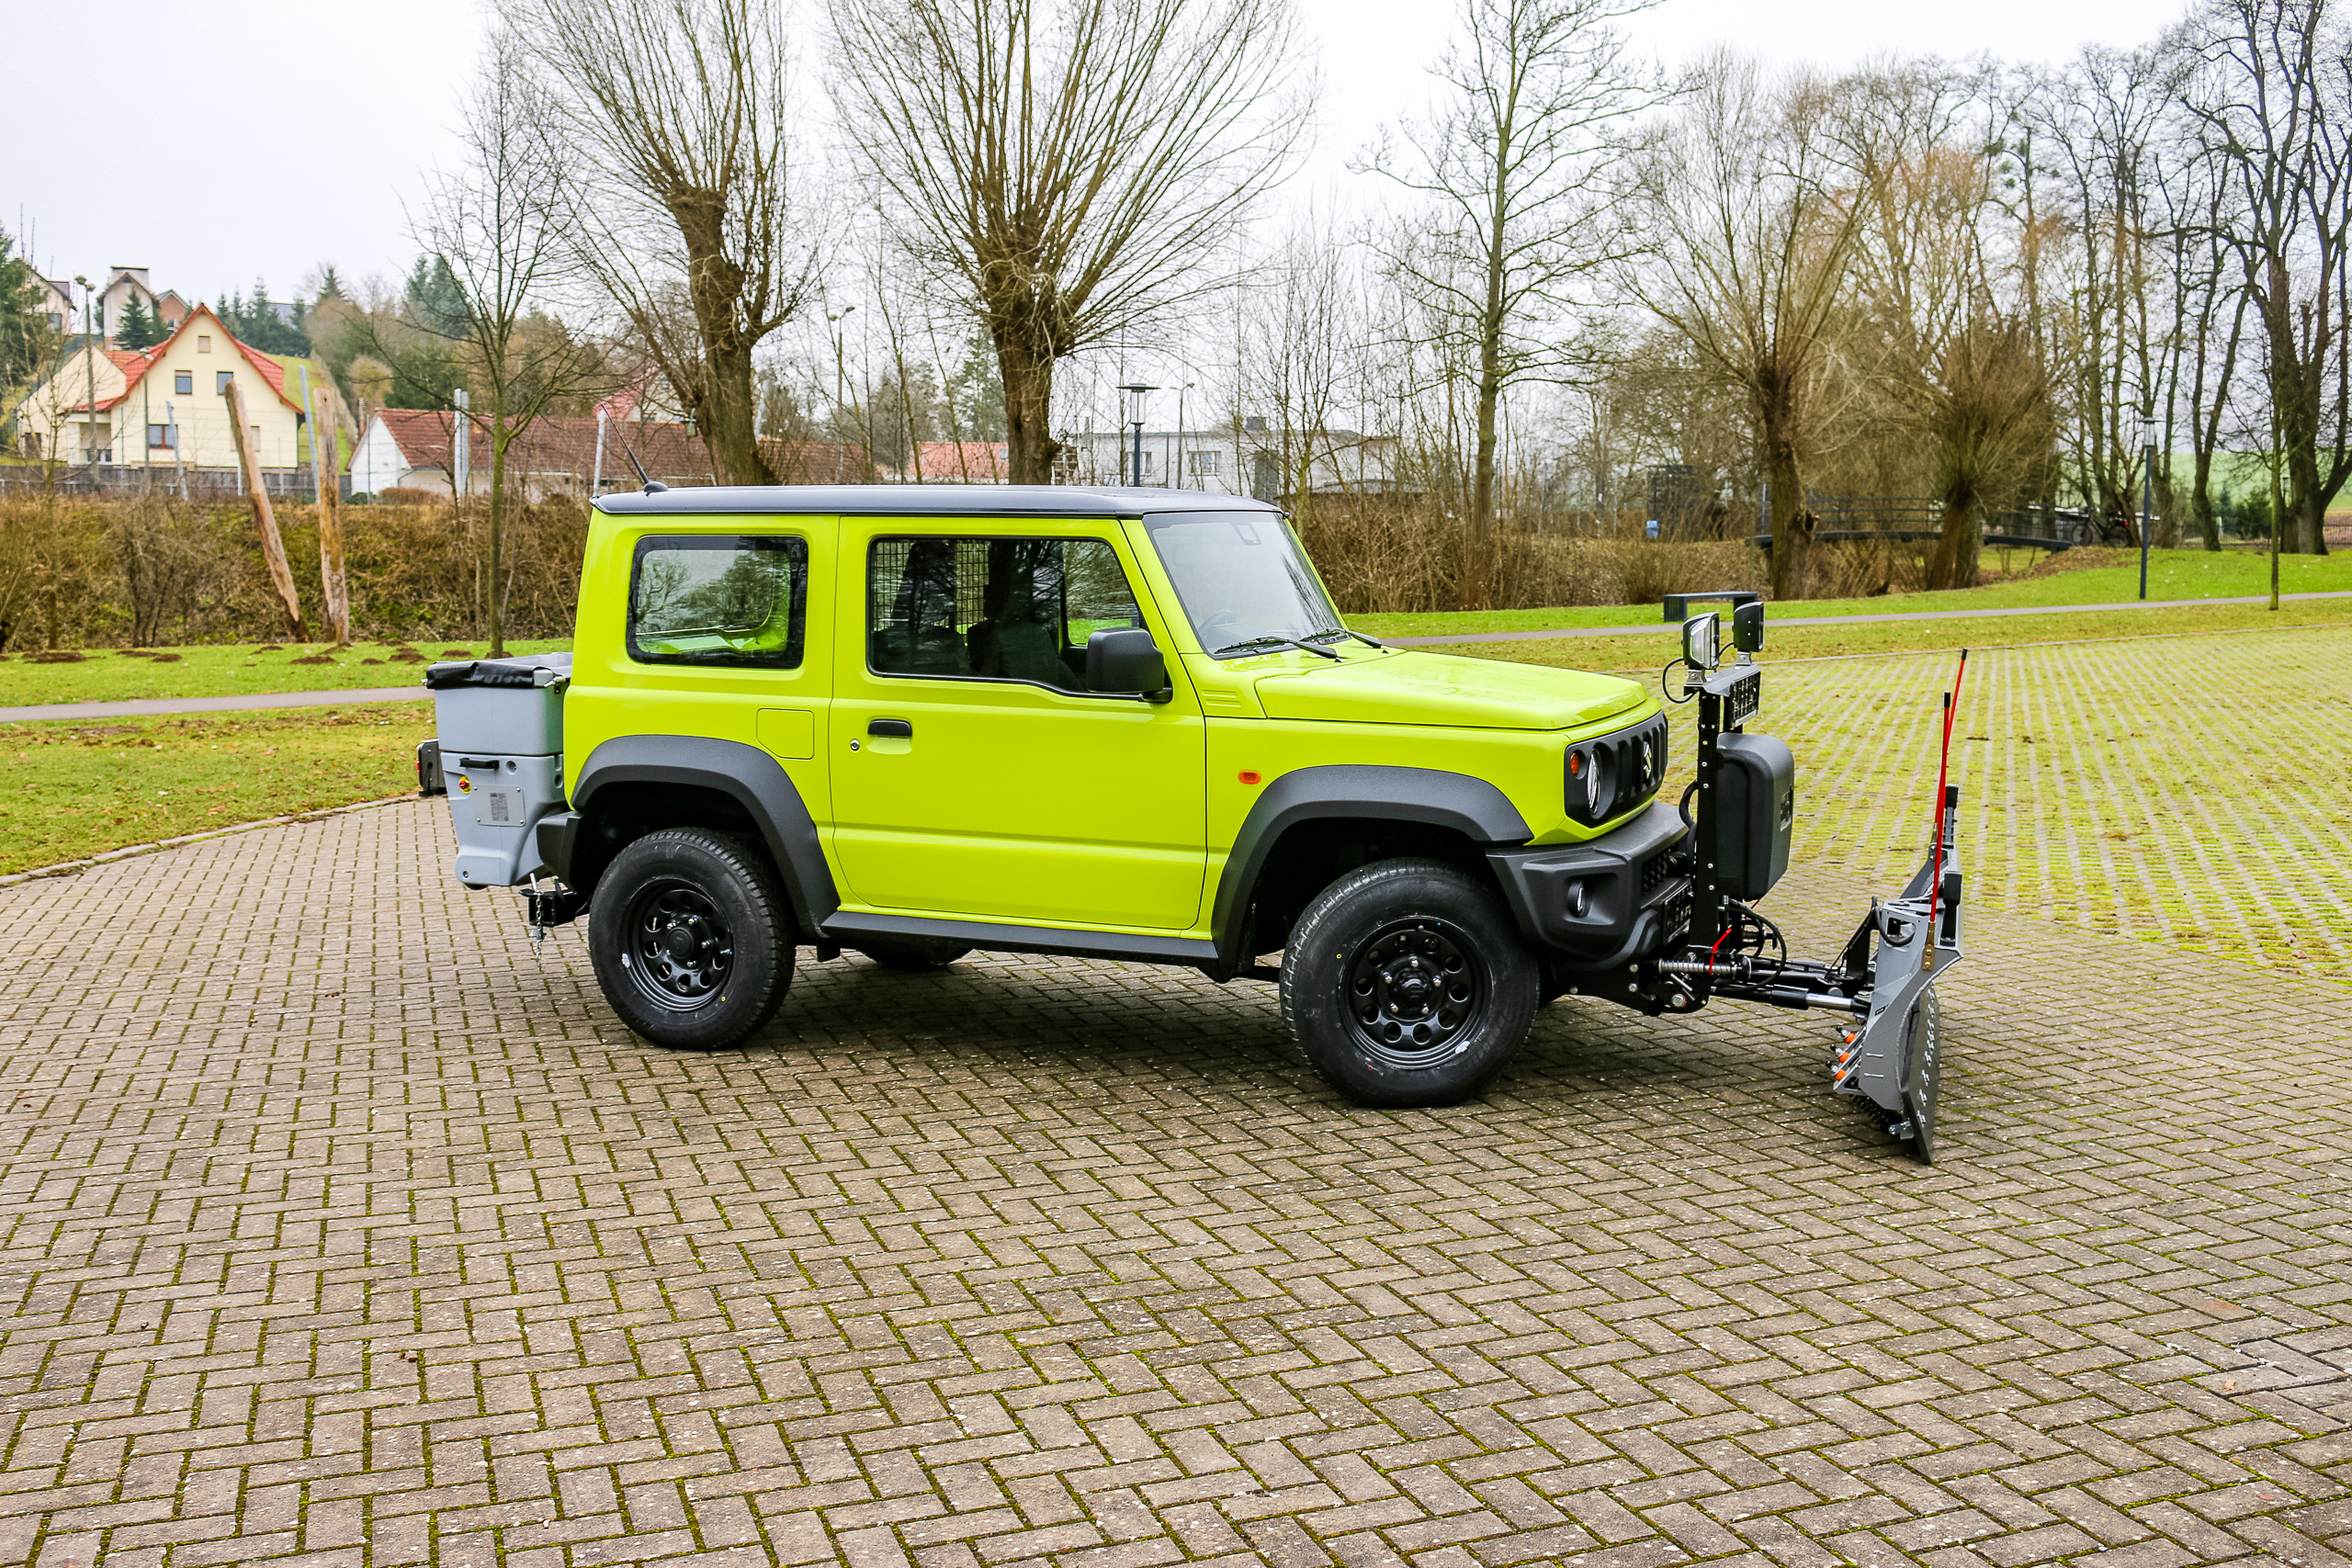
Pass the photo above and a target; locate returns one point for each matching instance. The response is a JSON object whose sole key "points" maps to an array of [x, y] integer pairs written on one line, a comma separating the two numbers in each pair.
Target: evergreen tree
{"points": [[137, 329], [27, 342]]}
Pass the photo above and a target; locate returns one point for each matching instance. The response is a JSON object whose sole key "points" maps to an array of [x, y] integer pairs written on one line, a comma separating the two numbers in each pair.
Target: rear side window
{"points": [[739, 600]]}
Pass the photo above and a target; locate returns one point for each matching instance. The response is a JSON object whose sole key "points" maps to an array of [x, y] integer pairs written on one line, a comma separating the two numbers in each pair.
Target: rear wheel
{"points": [[690, 940], [1406, 983], [915, 954]]}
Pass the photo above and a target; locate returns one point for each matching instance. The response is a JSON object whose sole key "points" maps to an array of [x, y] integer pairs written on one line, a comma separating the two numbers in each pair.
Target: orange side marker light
{"points": [[1248, 775]]}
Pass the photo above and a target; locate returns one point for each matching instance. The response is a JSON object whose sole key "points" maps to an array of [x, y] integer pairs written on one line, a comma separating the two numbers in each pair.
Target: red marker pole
{"points": [[1944, 765]]}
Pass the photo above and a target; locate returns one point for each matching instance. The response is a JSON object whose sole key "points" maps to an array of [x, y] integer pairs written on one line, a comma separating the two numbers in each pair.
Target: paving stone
{"points": [[340, 1222]]}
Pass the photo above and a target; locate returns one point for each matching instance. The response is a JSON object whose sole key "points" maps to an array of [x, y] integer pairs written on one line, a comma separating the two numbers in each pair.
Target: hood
{"points": [[1446, 689]]}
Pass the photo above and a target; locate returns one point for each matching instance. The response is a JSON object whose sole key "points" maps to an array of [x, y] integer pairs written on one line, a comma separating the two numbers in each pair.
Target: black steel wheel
{"points": [[690, 940], [1413, 990], [1407, 983]]}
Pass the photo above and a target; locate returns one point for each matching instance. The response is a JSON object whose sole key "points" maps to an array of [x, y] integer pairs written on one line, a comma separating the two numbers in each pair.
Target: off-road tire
{"points": [[916, 955], [691, 940], [1406, 983]]}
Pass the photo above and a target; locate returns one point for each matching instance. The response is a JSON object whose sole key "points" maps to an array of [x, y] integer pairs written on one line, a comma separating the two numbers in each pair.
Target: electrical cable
{"points": [[1667, 690]]}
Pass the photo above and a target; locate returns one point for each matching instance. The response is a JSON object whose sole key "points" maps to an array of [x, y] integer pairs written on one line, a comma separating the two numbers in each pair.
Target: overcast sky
{"points": [[277, 136]]}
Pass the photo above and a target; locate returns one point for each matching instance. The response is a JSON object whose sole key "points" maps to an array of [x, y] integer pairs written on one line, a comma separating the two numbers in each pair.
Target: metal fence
{"points": [[161, 478], [1919, 519]]}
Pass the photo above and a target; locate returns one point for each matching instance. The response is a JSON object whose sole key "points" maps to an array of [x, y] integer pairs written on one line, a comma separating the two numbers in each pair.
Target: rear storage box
{"points": [[500, 725]]}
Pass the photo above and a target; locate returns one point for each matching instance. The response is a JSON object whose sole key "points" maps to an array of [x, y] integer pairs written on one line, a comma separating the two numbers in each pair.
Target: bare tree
{"points": [[1749, 256], [1064, 166], [2272, 90], [1516, 168], [683, 105], [502, 224]]}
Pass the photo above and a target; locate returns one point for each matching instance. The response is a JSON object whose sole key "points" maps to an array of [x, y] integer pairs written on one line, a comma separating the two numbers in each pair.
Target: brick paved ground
{"points": [[339, 1226]]}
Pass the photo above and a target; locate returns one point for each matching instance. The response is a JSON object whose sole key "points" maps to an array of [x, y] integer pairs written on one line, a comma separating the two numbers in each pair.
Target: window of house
{"points": [[727, 600], [163, 436], [221, 380], [992, 609], [1205, 462], [184, 383], [204, 342]]}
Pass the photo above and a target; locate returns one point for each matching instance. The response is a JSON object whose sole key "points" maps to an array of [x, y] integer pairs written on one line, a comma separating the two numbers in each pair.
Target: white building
{"points": [[1252, 460]]}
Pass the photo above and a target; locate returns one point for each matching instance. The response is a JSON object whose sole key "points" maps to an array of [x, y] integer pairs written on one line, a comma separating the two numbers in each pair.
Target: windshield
{"points": [[1244, 581]]}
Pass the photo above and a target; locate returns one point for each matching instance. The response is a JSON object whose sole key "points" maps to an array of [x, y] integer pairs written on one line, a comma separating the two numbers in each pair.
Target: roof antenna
{"points": [[652, 484]]}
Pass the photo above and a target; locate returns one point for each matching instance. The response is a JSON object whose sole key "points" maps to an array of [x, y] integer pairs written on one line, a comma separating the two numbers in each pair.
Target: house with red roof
{"points": [[415, 449], [164, 406]]}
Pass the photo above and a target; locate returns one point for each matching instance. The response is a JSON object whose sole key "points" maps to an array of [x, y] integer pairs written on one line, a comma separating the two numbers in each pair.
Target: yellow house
{"points": [[111, 406]]}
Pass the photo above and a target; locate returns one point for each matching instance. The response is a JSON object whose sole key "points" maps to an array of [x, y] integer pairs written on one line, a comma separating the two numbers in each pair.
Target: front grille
{"points": [[1615, 773], [1662, 867]]}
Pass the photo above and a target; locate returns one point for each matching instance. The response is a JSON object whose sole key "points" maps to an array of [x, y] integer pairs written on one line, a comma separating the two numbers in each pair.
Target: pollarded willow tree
{"points": [[682, 110], [1748, 252], [1064, 169], [1516, 168]]}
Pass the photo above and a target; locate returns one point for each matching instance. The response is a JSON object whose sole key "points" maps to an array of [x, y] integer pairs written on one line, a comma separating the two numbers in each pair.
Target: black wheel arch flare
{"points": [[1459, 802], [753, 779]]}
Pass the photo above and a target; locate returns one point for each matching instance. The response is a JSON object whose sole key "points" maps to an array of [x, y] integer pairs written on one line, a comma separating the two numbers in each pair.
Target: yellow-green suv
{"points": [[1118, 723]]}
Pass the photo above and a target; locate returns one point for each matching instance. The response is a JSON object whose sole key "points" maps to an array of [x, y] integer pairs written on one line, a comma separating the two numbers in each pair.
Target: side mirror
{"points": [[1701, 642], [1124, 659]]}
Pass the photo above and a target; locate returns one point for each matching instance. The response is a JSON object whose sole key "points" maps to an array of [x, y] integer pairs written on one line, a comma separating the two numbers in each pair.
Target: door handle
{"points": [[892, 728]]}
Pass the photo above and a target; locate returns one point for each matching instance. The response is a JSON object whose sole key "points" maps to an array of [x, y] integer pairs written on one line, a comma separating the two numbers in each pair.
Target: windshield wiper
{"points": [[1348, 631], [1273, 640]]}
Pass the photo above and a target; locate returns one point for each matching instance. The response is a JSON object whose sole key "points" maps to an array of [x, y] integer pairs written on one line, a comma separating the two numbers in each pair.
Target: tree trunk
{"points": [[1030, 447], [324, 466], [2200, 501], [273, 548], [1476, 590], [1787, 485], [499, 437], [728, 425], [1952, 563]]}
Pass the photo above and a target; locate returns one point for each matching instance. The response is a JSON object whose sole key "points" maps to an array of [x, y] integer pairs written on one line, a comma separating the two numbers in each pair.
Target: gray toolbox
{"points": [[497, 752]]}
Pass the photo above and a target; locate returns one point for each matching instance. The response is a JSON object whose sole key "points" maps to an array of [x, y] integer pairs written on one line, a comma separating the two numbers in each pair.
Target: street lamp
{"points": [[2147, 494], [1135, 470]]}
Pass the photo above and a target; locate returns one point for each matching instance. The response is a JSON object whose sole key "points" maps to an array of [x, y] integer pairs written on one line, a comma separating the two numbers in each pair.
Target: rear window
{"points": [[739, 601]]}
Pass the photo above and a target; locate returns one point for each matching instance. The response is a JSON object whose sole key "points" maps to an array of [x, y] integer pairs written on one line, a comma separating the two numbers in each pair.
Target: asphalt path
{"points": [[143, 706]]}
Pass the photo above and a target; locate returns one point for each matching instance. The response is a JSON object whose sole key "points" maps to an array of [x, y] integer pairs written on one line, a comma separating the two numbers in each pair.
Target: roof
{"points": [[136, 365], [924, 500], [981, 462], [557, 444]]}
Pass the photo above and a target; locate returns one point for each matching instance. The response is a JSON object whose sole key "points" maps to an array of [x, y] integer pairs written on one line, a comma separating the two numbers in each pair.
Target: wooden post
{"points": [[324, 469], [273, 549]]}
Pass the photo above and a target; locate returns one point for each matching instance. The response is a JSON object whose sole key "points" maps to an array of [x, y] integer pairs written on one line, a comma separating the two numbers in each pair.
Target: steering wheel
{"points": [[1214, 619]]}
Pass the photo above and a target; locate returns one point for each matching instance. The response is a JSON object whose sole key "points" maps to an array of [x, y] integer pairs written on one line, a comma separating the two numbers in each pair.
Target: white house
{"points": [[414, 449], [164, 406], [1252, 460]]}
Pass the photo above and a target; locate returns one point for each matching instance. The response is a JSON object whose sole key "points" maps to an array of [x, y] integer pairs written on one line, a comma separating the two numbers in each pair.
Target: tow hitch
{"points": [[1881, 985]]}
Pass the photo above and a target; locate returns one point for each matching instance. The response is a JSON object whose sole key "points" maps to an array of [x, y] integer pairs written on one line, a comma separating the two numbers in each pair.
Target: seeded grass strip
{"points": [[2189, 790], [105, 674], [79, 790]]}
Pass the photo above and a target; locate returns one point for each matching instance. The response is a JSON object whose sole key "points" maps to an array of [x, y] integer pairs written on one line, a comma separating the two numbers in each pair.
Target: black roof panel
{"points": [[924, 501]]}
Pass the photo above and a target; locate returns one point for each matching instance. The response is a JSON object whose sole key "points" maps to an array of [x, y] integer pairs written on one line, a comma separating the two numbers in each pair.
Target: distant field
{"points": [[2172, 574], [106, 674]]}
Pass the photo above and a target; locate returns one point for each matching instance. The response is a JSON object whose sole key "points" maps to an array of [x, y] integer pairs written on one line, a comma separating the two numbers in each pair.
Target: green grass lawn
{"points": [[105, 674], [2172, 574], [77, 789]]}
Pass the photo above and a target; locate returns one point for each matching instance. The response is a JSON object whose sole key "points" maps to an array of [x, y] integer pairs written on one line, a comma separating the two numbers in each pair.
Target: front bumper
{"points": [[1601, 904]]}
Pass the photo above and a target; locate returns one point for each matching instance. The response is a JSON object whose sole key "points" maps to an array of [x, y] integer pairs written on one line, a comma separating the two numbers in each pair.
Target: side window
{"points": [[183, 382], [992, 609], [739, 601]]}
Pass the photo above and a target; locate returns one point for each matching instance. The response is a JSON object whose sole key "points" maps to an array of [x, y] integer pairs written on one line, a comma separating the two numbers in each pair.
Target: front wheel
{"points": [[1406, 983], [690, 938]]}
